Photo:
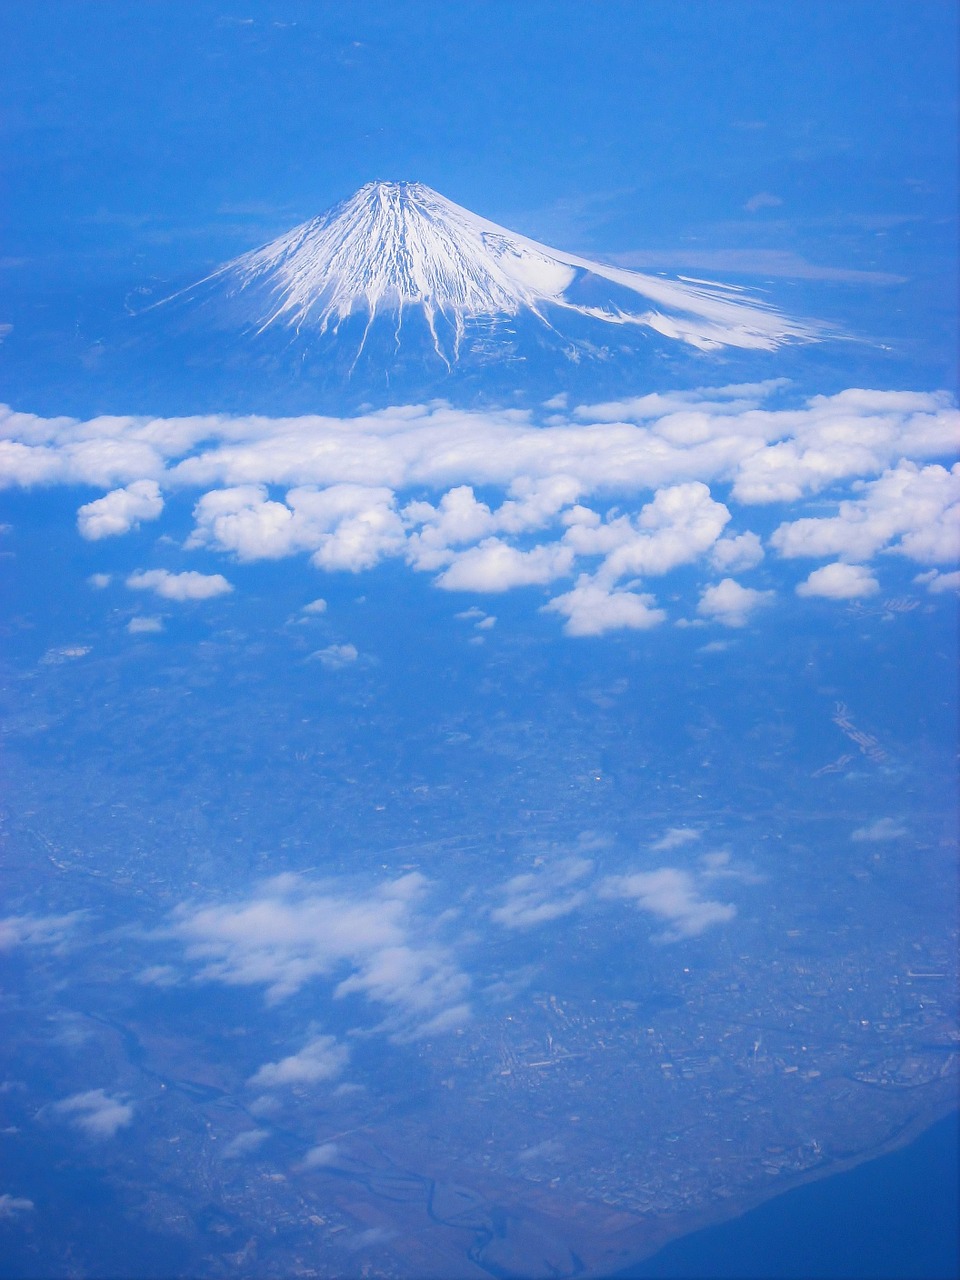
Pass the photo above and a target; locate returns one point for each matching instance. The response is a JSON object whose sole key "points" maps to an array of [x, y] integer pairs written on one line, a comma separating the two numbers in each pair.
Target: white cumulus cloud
{"points": [[910, 509], [494, 498], [730, 603], [840, 582], [145, 624], [121, 510], [733, 555], [189, 585], [496, 566], [592, 609]]}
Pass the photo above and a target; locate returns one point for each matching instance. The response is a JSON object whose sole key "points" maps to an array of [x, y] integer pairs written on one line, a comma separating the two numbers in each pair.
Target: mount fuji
{"points": [[397, 292], [399, 247]]}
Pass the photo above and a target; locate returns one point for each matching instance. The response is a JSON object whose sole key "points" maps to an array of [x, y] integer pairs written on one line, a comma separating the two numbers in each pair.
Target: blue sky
{"points": [[175, 130]]}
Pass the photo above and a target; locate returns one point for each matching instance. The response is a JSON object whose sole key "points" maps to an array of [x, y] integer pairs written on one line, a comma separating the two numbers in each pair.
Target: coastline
{"points": [[665, 1259]]}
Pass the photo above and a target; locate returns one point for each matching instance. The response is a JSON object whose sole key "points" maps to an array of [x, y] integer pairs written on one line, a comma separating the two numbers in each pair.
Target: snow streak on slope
{"points": [[396, 245]]}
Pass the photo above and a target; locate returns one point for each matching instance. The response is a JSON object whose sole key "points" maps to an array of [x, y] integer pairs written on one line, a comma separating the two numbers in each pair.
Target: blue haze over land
{"points": [[480, 551]]}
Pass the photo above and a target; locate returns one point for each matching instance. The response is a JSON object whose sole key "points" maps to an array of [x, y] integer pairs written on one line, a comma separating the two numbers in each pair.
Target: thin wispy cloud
{"points": [[381, 945], [38, 931]]}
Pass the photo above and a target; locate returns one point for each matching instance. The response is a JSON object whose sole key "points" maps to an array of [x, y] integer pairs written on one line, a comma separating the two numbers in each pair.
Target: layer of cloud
{"points": [[496, 499], [630, 445], [96, 1113], [762, 262]]}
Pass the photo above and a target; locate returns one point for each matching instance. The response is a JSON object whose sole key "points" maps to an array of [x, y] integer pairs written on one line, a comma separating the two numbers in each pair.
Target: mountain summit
{"points": [[395, 249]]}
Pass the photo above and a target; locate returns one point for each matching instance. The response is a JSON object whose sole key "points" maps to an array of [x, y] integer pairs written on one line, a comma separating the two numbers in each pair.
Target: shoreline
{"points": [[671, 1231]]}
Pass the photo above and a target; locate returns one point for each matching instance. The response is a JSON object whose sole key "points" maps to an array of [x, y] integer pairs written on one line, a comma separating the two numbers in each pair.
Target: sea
{"points": [[896, 1217]]}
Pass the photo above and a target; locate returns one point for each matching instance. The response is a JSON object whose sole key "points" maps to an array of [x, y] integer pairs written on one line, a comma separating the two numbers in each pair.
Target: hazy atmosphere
{"points": [[480, 533]]}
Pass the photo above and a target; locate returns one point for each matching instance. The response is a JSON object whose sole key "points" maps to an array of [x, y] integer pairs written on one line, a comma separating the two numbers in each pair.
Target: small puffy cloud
{"points": [[159, 975], [336, 656], [100, 581], [189, 585], [719, 865], [64, 653], [14, 1206], [731, 604], [538, 897], [320, 1059], [96, 1113], [670, 895], [244, 1143], [495, 565], [144, 624], [315, 607], [592, 609], [120, 511], [674, 838], [37, 931], [320, 1157], [881, 829], [733, 555], [762, 200], [840, 582]]}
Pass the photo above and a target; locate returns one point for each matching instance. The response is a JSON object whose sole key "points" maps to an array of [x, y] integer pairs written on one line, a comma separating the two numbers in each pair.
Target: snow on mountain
{"points": [[397, 246]]}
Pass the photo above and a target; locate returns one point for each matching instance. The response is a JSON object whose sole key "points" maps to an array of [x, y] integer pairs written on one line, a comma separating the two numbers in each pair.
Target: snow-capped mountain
{"points": [[397, 249], [399, 295]]}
